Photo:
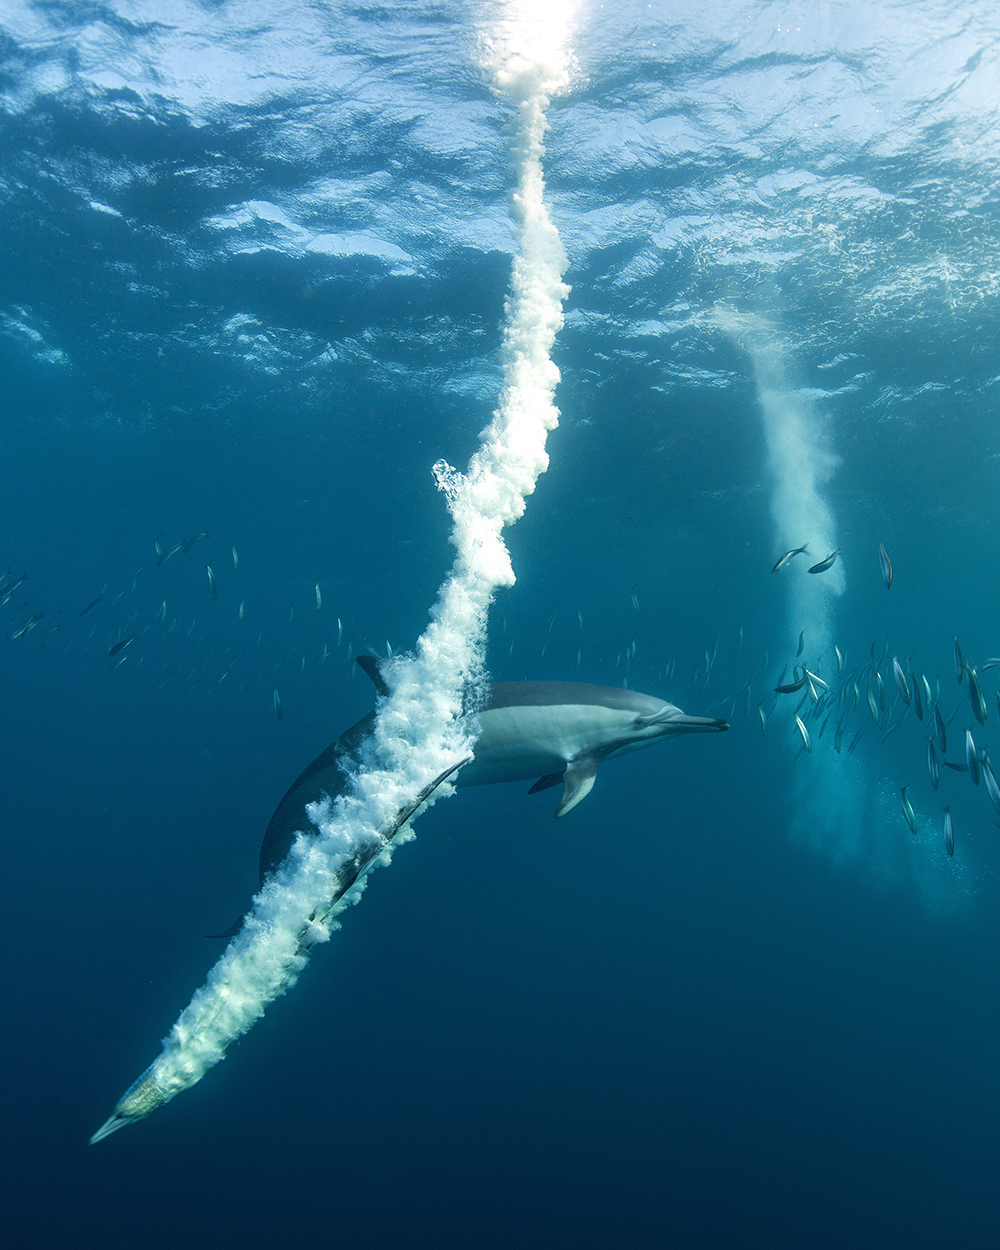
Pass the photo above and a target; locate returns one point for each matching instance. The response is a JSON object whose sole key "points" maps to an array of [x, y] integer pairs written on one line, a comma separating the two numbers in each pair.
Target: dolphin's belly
{"points": [[522, 743]]}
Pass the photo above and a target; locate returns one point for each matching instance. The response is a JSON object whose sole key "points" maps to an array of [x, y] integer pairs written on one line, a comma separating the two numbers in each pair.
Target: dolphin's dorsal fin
{"points": [[370, 664], [578, 781]]}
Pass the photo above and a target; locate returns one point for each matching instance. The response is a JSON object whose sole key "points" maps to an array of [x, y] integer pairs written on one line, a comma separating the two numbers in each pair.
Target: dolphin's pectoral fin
{"points": [[578, 781], [546, 782]]}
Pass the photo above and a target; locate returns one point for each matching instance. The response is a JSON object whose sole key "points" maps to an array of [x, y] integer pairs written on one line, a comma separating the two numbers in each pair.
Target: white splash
{"points": [[418, 732]]}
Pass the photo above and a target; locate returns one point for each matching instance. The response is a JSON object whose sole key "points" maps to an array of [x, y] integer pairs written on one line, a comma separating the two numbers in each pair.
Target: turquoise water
{"points": [[253, 287]]}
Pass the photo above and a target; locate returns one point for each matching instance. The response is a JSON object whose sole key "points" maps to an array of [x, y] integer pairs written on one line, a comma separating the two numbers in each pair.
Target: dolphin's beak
{"points": [[697, 725]]}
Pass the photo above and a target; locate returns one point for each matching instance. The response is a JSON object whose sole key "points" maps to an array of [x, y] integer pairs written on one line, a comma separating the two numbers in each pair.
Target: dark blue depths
{"points": [[663, 1021]]}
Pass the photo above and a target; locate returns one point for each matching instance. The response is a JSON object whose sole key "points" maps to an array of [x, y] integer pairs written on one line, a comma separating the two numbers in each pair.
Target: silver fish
{"points": [[856, 739], [918, 706], [791, 687], [942, 733], [991, 783], [840, 659], [236, 558], [992, 662], [795, 551], [319, 598], [802, 643], [902, 685], [932, 764], [804, 732], [763, 719], [163, 556], [120, 646], [911, 820], [872, 705], [927, 690], [886, 563], [211, 581], [739, 643], [276, 699], [949, 832], [828, 563], [976, 695], [959, 663], [971, 758]]}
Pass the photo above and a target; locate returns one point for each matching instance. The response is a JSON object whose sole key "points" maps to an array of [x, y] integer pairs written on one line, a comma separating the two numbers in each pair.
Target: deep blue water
{"points": [[253, 285]]}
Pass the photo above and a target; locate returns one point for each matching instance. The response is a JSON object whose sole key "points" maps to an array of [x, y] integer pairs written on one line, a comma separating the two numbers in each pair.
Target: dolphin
{"points": [[557, 732]]}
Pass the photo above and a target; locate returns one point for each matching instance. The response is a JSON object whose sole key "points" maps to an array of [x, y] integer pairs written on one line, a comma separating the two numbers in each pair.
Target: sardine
{"points": [[795, 551], [932, 764], [791, 687], [856, 739], [886, 563], [911, 819], [942, 733], [91, 605], [949, 832], [872, 705], [276, 699], [991, 783], [959, 663], [804, 732], [120, 646], [918, 706], [971, 758], [165, 555], [802, 643], [902, 684], [763, 719], [840, 659], [236, 558], [976, 695], [211, 581], [739, 643], [828, 563], [992, 662], [319, 598]]}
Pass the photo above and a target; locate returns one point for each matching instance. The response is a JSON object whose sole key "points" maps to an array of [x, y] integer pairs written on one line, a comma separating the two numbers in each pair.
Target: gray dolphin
{"points": [[556, 731]]}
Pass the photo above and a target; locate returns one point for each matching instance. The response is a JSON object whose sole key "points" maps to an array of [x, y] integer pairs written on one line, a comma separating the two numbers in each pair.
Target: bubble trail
{"points": [[419, 735]]}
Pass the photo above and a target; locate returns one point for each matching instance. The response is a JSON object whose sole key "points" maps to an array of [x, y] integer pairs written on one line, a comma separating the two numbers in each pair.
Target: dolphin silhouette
{"points": [[555, 731]]}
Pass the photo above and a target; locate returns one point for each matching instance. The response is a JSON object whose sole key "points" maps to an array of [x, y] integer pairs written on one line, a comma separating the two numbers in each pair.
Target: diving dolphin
{"points": [[557, 732]]}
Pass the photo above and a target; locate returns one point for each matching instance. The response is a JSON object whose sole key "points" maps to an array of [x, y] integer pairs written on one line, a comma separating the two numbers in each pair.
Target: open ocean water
{"points": [[255, 263]]}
